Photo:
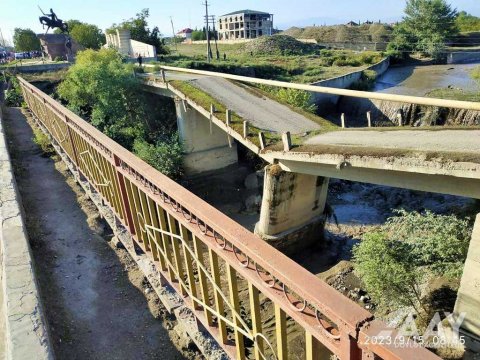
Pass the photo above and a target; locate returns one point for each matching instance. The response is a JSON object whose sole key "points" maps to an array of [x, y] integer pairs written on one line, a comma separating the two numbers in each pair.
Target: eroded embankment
{"points": [[389, 113]]}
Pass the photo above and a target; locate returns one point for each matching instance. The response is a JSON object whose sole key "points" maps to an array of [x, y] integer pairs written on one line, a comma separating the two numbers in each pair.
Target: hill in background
{"points": [[277, 45], [365, 33]]}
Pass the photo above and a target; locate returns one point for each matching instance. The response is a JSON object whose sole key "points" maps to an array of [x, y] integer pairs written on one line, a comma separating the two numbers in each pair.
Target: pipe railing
{"points": [[232, 280], [454, 104]]}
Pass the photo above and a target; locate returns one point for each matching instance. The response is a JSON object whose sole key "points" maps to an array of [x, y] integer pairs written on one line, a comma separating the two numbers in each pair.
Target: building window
{"points": [[260, 24]]}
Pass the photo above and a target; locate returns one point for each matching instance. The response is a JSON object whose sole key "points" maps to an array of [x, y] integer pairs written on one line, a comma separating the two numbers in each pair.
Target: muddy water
{"points": [[419, 80]]}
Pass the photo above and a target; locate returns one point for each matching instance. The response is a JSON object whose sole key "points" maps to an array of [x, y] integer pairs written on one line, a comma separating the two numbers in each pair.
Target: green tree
{"points": [[198, 35], [25, 40], [100, 88], [426, 27], [393, 261], [165, 155], [87, 35], [467, 22], [387, 269], [140, 31]]}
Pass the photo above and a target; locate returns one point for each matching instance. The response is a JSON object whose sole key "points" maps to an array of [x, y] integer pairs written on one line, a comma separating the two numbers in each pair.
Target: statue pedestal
{"points": [[54, 46]]}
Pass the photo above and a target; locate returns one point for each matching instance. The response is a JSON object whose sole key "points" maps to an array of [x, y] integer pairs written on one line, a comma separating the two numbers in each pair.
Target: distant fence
{"points": [[230, 278]]}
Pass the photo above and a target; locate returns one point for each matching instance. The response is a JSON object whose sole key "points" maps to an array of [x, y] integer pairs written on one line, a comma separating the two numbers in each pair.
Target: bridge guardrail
{"points": [[455, 104], [230, 279]]}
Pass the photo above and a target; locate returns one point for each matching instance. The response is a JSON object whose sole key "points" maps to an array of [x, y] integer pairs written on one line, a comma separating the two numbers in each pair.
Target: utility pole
{"points": [[215, 36], [2, 39], [209, 51], [173, 33]]}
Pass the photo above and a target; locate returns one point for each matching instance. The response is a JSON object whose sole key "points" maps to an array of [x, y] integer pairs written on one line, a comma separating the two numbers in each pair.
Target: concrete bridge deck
{"points": [[460, 141], [261, 112], [443, 161]]}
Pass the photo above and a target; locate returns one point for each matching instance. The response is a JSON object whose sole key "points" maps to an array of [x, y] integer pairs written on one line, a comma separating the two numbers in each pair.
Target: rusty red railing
{"points": [[255, 301]]}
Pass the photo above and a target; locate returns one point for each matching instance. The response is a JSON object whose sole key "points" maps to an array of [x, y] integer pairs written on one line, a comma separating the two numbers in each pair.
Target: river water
{"points": [[419, 80]]}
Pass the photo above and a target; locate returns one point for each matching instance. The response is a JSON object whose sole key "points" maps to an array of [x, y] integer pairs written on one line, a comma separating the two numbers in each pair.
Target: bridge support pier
{"points": [[468, 297], [206, 146], [292, 211]]}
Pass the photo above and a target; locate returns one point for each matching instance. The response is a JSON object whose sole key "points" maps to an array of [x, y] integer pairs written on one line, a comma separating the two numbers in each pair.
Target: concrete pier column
{"points": [[468, 296], [291, 215], [206, 146]]}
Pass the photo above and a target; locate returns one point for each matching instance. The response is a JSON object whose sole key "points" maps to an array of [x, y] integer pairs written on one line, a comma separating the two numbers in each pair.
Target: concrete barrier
{"points": [[463, 57], [23, 328], [38, 67], [325, 101]]}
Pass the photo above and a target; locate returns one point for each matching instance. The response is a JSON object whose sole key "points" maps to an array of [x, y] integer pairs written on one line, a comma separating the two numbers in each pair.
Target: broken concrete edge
{"points": [[168, 88], [187, 323], [26, 328]]}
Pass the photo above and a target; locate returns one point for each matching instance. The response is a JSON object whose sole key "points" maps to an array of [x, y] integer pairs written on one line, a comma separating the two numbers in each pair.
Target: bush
{"points": [[366, 82], [297, 98], [387, 270], [42, 141], [102, 89], [439, 242], [475, 73], [393, 261], [139, 69], [13, 96], [165, 156]]}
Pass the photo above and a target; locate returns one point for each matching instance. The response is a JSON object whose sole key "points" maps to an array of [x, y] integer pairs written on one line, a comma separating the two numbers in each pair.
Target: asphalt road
{"points": [[464, 141], [261, 112]]}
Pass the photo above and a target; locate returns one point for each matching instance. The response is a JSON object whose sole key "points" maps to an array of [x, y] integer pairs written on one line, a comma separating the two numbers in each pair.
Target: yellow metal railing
{"points": [[256, 302]]}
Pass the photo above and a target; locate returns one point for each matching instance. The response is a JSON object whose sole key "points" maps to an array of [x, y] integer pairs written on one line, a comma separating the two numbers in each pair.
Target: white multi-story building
{"points": [[244, 24]]}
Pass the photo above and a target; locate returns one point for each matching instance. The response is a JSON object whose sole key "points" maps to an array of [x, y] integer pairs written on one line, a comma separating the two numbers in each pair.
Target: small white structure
{"points": [[122, 41], [185, 34]]}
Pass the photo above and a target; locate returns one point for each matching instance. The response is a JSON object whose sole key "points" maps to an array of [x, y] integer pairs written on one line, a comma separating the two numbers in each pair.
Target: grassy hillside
{"points": [[276, 57], [342, 33]]}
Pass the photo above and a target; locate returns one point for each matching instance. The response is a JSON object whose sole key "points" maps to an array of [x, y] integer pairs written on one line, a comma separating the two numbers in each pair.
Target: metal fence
{"points": [[247, 295]]}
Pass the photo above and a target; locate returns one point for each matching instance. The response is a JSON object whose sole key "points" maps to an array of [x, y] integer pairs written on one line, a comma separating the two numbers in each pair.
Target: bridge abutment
{"points": [[468, 296], [206, 145], [292, 211]]}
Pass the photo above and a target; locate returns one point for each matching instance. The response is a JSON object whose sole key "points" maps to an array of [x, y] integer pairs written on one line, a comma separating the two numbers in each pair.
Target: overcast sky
{"points": [[189, 13]]}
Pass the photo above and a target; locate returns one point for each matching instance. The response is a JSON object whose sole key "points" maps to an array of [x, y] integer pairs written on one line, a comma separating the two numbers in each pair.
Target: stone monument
{"points": [[57, 45]]}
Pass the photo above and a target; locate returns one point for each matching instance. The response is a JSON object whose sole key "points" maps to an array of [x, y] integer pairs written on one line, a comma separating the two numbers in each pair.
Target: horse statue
{"points": [[52, 21]]}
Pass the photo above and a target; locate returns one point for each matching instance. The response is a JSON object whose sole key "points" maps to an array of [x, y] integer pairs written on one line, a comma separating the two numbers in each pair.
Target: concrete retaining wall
{"points": [[325, 101], [463, 57], [41, 67], [24, 328]]}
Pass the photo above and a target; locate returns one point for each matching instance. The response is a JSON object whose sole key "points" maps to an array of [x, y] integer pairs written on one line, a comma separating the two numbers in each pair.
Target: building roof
{"points": [[247, 11], [185, 31]]}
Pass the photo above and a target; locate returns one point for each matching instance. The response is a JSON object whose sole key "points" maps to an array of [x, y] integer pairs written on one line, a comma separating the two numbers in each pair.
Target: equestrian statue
{"points": [[52, 21]]}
